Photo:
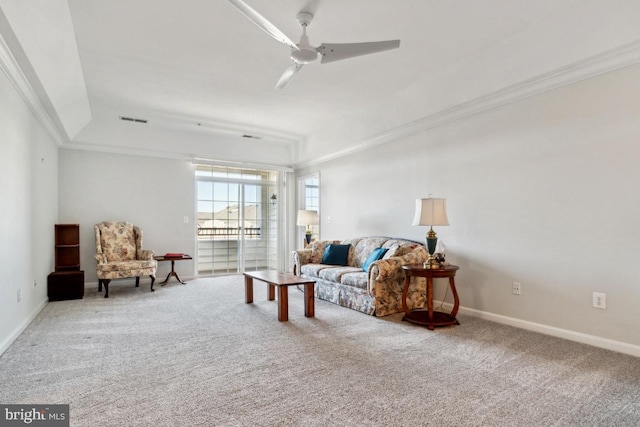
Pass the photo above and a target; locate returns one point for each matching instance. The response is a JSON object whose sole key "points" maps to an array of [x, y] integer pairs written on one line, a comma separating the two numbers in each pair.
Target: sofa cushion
{"points": [[334, 274], [336, 254], [352, 252], [374, 256], [391, 250], [357, 280], [317, 249], [312, 270], [126, 265], [365, 247], [399, 247]]}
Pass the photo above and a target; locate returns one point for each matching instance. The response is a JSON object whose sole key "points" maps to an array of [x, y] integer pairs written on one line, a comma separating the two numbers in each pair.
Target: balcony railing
{"points": [[220, 254], [212, 232]]}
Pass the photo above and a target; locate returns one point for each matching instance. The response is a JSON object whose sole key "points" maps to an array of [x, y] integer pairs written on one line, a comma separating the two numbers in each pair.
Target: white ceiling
{"points": [[203, 74]]}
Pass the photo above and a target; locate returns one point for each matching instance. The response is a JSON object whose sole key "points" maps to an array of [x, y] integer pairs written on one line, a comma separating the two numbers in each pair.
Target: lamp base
{"points": [[431, 263], [432, 241]]}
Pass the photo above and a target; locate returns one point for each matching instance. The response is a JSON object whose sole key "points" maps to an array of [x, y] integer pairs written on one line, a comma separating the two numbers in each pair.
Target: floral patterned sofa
{"points": [[377, 291]]}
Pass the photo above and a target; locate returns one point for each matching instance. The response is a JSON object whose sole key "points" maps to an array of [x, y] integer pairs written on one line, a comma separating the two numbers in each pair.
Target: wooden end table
{"points": [[429, 317], [173, 262], [282, 281]]}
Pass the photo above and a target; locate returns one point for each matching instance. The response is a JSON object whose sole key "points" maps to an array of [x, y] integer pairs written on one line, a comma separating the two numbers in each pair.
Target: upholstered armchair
{"points": [[120, 255]]}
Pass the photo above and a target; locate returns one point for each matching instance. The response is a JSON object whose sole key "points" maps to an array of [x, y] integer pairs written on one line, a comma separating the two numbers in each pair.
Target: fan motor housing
{"points": [[304, 18], [304, 55]]}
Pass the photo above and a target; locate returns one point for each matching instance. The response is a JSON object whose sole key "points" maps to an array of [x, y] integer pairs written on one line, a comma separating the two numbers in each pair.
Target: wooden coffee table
{"points": [[282, 281]]}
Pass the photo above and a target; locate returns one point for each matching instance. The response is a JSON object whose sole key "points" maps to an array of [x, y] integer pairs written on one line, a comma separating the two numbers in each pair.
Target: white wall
{"points": [[29, 194], [155, 194], [541, 191]]}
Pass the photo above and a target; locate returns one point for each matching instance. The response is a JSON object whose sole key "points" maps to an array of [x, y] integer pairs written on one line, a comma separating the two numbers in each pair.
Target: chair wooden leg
{"points": [[99, 285], [106, 287], [138, 282], [153, 279]]}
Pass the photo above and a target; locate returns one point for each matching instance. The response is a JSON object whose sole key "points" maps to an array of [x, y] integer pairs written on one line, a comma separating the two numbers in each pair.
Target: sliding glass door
{"points": [[237, 220]]}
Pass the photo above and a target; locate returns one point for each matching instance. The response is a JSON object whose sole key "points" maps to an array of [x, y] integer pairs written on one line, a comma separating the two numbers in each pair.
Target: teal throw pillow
{"points": [[374, 256], [336, 254]]}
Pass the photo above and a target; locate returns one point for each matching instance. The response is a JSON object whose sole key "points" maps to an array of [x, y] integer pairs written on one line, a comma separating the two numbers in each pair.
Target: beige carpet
{"points": [[197, 355]]}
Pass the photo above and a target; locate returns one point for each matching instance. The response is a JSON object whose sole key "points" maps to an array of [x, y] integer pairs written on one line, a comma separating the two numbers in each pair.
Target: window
{"points": [[310, 198]]}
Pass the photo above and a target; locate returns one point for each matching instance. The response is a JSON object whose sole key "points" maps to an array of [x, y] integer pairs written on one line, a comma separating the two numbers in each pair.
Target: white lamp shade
{"points": [[306, 218], [431, 212]]}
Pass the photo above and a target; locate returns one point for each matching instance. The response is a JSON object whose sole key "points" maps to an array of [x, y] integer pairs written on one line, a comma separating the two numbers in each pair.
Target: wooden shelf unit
{"points": [[67, 281], [67, 247]]}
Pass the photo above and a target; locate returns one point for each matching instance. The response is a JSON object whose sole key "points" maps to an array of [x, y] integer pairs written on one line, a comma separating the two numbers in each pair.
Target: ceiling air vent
{"points": [[131, 119], [251, 136]]}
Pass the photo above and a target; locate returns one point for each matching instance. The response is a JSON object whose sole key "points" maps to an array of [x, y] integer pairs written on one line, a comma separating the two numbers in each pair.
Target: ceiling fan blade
{"points": [[336, 51], [263, 23], [288, 75]]}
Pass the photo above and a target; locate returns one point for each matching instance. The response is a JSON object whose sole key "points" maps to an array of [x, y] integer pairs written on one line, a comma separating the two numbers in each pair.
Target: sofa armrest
{"points": [[145, 254], [300, 257], [385, 269], [386, 283], [101, 258], [391, 268]]}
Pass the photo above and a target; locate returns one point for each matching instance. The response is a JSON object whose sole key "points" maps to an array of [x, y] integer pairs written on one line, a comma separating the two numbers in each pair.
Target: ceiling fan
{"points": [[303, 53]]}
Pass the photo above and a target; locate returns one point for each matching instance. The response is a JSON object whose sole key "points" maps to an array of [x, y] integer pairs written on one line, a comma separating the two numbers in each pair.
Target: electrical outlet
{"points": [[18, 296], [186, 219], [599, 300], [516, 288]]}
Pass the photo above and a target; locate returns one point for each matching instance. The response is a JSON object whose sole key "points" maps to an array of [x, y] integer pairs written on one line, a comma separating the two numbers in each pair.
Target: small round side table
{"points": [[429, 317]]}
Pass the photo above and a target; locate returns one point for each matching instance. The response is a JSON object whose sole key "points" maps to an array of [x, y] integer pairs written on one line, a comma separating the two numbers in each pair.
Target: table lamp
{"points": [[307, 218], [431, 211]]}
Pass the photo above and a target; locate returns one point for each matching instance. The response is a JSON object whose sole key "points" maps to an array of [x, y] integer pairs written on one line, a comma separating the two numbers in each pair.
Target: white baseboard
{"points": [[21, 327], [608, 344]]}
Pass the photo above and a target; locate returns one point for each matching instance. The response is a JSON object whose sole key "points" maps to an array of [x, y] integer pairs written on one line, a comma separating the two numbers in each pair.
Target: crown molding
{"points": [[611, 60], [112, 149], [9, 65], [250, 165], [192, 123]]}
